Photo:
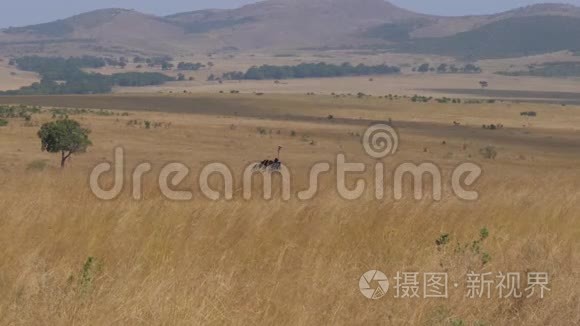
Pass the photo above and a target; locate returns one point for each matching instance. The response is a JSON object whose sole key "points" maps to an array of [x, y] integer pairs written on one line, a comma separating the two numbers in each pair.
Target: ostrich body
{"points": [[269, 164]]}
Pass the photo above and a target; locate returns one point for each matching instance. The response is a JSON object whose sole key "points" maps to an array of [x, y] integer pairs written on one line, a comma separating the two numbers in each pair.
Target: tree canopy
{"points": [[64, 136]]}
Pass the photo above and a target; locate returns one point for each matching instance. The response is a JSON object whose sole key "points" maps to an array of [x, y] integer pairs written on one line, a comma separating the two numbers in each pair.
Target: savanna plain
{"points": [[70, 258]]}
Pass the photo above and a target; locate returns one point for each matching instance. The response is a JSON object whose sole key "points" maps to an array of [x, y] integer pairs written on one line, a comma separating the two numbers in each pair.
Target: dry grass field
{"points": [[70, 258], [12, 78], [408, 83]]}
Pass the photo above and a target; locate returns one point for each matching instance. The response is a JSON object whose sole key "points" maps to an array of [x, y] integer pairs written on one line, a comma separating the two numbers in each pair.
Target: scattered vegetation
{"points": [[423, 99], [548, 69], [189, 66], [147, 124], [442, 241], [164, 62], [474, 248], [37, 165], [488, 152], [493, 126], [21, 111]]}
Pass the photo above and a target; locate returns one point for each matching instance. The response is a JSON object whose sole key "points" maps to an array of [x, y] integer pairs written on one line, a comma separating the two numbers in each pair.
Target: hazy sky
{"points": [[25, 12]]}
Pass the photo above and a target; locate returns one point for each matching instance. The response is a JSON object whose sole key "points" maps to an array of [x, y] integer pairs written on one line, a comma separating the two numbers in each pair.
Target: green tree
{"points": [[64, 136], [166, 66], [423, 68], [442, 68]]}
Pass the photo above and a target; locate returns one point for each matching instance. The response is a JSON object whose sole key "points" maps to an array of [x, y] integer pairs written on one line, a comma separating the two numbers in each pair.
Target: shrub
{"points": [[88, 272], [37, 165], [529, 114], [483, 234], [488, 152], [442, 240], [485, 258], [3, 122]]}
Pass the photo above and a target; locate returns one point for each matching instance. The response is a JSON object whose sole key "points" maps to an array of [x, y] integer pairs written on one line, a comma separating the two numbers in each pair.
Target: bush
{"points": [[37, 165], [488, 152], [3, 122], [442, 241], [529, 114], [423, 68], [189, 66]]}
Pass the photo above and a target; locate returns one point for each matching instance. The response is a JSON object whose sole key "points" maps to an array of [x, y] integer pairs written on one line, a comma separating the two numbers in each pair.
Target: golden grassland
{"points": [[12, 78], [429, 84], [69, 258], [311, 108]]}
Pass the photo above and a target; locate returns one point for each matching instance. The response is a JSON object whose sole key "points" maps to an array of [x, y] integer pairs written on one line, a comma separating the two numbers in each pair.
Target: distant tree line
{"points": [[449, 69], [548, 69], [162, 61], [311, 70], [65, 76], [189, 66], [136, 79]]}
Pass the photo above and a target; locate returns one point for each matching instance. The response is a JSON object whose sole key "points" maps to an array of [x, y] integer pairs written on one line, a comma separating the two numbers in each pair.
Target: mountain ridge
{"points": [[271, 24]]}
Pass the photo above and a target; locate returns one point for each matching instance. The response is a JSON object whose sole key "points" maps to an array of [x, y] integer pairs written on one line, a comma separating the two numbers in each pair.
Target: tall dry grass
{"points": [[277, 263], [69, 258]]}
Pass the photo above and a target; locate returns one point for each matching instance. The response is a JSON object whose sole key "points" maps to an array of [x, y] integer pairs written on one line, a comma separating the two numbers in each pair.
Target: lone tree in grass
{"points": [[64, 136]]}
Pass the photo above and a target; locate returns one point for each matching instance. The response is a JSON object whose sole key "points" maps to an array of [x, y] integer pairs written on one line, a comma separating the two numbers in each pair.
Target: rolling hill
{"points": [[512, 37], [292, 24]]}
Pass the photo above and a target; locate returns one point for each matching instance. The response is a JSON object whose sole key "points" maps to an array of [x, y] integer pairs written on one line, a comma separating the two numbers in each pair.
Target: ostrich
{"points": [[277, 163], [269, 164]]}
